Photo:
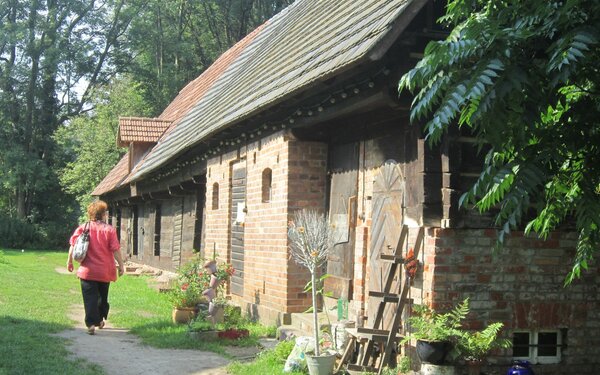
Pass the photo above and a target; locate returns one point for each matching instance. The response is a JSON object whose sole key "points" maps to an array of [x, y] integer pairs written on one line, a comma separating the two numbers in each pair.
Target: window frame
{"points": [[533, 357]]}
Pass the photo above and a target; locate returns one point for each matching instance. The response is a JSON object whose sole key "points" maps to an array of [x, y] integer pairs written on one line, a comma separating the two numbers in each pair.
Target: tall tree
{"points": [[173, 41], [89, 140], [51, 54], [524, 77]]}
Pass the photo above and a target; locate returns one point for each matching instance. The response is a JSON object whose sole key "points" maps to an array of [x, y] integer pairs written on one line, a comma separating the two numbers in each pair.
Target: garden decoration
{"points": [[474, 346], [216, 276], [311, 239]]}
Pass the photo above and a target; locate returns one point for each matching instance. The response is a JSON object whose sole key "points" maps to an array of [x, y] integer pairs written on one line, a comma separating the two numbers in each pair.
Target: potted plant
{"points": [[435, 332], [474, 346], [190, 287], [310, 240], [184, 297]]}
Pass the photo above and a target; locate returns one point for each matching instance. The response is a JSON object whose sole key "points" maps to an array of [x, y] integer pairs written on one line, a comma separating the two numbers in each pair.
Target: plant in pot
{"points": [[435, 332], [474, 346], [310, 240], [185, 296]]}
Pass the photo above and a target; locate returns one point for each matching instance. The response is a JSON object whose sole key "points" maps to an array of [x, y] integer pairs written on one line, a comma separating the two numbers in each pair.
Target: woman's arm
{"points": [[70, 259], [119, 259]]}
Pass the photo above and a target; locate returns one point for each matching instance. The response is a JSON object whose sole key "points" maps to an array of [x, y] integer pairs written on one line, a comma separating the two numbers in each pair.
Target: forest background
{"points": [[69, 69]]}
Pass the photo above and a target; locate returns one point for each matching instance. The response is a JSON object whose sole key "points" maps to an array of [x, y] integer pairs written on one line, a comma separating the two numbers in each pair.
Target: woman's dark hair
{"points": [[96, 210]]}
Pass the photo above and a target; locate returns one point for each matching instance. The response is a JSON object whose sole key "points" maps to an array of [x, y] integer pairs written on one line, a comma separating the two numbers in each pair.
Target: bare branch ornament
{"points": [[310, 240]]}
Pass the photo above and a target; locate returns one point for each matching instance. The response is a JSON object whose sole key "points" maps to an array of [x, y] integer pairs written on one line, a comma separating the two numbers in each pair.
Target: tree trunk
{"points": [[313, 278]]}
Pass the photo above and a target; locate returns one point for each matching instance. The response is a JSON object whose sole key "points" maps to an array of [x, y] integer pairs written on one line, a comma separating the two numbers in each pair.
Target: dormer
{"points": [[140, 134]]}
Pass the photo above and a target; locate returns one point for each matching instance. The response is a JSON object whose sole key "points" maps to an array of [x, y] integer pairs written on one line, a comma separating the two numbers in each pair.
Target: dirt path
{"points": [[119, 352]]}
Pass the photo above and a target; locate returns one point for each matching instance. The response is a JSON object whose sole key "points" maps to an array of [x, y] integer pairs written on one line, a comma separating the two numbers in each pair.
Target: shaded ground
{"points": [[119, 352]]}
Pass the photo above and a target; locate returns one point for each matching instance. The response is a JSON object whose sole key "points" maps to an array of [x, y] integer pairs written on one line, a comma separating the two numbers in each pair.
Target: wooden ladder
{"points": [[366, 338]]}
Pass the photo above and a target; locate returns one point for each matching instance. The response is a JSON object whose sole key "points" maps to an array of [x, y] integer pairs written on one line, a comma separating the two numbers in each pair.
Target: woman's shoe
{"points": [[91, 330], [101, 325]]}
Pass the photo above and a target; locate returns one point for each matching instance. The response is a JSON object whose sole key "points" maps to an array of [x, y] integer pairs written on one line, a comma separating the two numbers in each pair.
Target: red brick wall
{"points": [[273, 283], [521, 285]]}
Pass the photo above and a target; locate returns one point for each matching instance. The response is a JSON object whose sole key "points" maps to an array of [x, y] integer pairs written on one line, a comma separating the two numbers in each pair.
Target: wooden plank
{"points": [[391, 258], [386, 297], [236, 251], [347, 353], [360, 369], [343, 169], [388, 193]]}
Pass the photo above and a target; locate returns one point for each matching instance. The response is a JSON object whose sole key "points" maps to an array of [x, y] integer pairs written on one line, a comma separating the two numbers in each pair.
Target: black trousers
{"points": [[95, 301]]}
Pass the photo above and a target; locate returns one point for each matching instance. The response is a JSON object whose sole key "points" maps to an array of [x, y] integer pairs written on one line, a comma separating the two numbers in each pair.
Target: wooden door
{"points": [[388, 193], [343, 169], [238, 213]]}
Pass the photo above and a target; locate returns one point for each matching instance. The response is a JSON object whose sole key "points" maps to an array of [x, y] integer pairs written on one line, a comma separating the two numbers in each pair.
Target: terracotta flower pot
{"points": [[183, 315], [214, 282], [211, 266]]}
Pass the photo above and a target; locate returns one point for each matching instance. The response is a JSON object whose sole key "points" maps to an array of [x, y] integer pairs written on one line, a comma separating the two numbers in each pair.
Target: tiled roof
{"points": [[308, 41], [140, 129], [196, 89], [114, 178], [170, 117]]}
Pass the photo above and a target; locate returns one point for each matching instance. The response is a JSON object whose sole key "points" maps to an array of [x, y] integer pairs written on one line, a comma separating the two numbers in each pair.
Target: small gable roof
{"points": [[308, 41], [140, 129]]}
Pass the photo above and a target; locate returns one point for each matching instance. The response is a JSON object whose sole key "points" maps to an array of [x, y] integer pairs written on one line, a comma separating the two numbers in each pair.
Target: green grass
{"points": [[269, 362], [35, 301]]}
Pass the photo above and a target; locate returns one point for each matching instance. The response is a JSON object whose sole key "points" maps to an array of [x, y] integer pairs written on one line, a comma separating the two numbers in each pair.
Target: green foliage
{"points": [[429, 325], [51, 55], [522, 77], [193, 279], [174, 41], [404, 365], [475, 345], [89, 140]]}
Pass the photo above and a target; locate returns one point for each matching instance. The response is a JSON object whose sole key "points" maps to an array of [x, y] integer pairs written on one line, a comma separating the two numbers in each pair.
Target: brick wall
{"points": [[273, 283], [521, 285]]}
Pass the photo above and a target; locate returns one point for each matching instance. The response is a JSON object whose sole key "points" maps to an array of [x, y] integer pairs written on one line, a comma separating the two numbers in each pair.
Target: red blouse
{"points": [[99, 263]]}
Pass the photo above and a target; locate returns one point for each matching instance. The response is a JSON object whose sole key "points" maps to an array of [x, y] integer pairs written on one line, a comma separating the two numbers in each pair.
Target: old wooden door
{"points": [[238, 214], [388, 193], [343, 169]]}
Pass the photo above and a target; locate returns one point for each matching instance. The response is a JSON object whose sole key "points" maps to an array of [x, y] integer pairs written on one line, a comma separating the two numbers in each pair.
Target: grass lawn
{"points": [[34, 304]]}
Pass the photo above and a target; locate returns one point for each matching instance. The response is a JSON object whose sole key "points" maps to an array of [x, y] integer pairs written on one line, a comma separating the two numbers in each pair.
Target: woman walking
{"points": [[98, 269]]}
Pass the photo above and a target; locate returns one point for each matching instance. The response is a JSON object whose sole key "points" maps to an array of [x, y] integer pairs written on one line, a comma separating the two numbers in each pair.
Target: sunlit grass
{"points": [[35, 301]]}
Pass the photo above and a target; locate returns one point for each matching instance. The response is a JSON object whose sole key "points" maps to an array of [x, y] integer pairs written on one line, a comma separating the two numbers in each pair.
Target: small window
{"points": [[267, 180], [215, 196], [538, 346], [157, 222]]}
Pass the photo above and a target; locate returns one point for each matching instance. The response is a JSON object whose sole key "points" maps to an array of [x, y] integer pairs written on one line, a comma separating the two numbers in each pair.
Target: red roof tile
{"points": [[139, 129]]}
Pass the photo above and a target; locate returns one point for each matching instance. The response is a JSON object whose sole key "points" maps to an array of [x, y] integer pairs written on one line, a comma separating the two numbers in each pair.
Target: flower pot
{"points": [[183, 315], [321, 365], [214, 282], [433, 352]]}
